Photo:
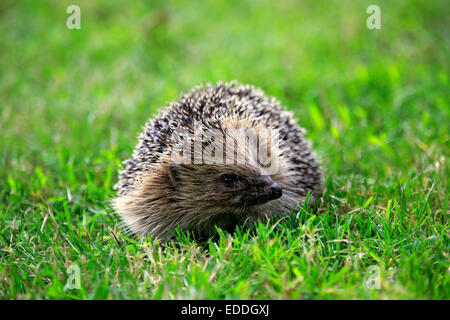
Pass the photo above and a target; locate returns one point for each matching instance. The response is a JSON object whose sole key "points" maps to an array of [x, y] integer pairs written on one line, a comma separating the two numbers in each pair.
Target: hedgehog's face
{"points": [[224, 185], [245, 190]]}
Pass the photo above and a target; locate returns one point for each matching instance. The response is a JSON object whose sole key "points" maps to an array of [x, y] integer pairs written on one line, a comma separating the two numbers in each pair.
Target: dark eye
{"points": [[229, 178]]}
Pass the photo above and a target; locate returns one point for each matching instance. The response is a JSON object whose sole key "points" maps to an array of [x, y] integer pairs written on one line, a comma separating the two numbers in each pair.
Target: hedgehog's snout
{"points": [[270, 191], [274, 191]]}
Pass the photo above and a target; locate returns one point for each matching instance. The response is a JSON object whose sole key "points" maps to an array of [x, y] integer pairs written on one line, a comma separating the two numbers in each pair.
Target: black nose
{"points": [[275, 191]]}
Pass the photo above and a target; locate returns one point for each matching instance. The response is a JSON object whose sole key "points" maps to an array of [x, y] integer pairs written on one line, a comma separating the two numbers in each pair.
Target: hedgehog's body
{"points": [[157, 193]]}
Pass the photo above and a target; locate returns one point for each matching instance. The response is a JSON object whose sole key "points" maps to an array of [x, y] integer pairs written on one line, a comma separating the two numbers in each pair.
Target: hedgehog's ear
{"points": [[174, 173]]}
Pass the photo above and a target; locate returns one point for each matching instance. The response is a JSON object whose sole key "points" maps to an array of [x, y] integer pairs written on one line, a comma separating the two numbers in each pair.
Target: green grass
{"points": [[374, 102]]}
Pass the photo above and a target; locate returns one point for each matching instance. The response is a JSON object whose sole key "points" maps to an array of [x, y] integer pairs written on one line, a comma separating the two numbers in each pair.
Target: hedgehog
{"points": [[220, 156]]}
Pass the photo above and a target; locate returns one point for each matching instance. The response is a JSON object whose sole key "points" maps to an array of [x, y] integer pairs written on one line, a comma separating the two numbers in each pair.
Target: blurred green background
{"points": [[374, 102], [361, 93]]}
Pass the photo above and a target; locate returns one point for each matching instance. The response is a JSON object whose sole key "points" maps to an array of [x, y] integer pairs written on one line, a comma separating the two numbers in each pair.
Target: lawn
{"points": [[374, 103]]}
